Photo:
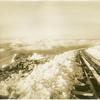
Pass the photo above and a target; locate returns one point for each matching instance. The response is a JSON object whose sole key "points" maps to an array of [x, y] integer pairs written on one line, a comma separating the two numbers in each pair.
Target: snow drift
{"points": [[94, 51], [54, 79]]}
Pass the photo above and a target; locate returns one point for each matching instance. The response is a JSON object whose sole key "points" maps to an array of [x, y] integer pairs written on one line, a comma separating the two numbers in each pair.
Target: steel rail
{"points": [[87, 69]]}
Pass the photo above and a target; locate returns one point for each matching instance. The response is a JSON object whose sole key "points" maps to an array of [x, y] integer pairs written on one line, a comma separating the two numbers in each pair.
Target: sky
{"points": [[44, 19]]}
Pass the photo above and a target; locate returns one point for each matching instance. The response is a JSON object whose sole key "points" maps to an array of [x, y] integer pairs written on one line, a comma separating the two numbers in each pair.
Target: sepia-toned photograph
{"points": [[50, 49]]}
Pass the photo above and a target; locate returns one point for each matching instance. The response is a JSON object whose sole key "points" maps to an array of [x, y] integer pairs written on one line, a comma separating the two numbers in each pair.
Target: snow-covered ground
{"points": [[54, 79], [2, 50], [94, 51], [50, 44]]}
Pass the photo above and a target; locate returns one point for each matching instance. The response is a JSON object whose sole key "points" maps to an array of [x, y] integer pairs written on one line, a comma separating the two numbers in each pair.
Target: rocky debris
{"points": [[12, 73], [21, 64]]}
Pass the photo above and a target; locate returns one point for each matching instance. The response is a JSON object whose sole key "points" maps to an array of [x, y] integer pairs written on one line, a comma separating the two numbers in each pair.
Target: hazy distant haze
{"points": [[39, 20]]}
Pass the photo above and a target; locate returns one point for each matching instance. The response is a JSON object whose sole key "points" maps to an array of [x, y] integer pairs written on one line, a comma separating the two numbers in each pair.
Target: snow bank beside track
{"points": [[94, 51], [54, 79]]}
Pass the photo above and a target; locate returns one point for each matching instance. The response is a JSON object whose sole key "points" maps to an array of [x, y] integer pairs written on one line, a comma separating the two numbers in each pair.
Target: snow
{"points": [[2, 50], [94, 51], [35, 56], [13, 58], [54, 79], [3, 66]]}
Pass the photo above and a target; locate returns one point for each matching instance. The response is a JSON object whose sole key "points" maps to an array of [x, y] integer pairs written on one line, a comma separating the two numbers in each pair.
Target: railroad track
{"points": [[89, 87]]}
